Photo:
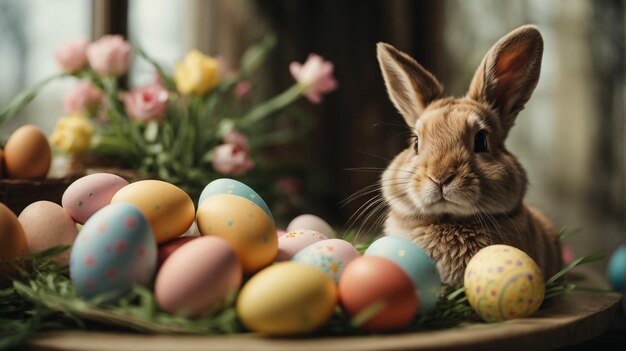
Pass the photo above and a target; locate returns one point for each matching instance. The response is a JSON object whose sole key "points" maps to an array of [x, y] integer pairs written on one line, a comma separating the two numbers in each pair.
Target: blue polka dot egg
{"points": [[114, 250], [502, 282]]}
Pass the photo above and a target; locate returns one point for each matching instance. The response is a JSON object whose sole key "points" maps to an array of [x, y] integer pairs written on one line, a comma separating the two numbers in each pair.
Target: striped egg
{"points": [[503, 282]]}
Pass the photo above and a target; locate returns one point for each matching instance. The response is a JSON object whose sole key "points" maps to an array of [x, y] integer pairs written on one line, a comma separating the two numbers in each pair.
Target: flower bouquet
{"points": [[186, 128]]}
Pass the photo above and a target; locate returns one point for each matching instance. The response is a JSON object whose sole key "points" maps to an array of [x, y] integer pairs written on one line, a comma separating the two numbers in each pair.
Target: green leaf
{"points": [[25, 97], [252, 59], [582, 260]]}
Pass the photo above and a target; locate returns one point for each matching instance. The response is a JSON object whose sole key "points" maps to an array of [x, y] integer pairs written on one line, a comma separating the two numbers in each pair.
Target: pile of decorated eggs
{"points": [[295, 279]]}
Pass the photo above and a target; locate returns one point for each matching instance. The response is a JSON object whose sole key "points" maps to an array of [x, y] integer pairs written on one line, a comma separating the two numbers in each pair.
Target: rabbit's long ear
{"points": [[509, 73], [410, 87]]}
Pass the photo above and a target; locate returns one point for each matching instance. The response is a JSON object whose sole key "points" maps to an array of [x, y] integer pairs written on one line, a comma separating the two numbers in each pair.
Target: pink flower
{"points": [[316, 77], [235, 137], [110, 55], [147, 103], [84, 97], [231, 160], [243, 88], [72, 56]]}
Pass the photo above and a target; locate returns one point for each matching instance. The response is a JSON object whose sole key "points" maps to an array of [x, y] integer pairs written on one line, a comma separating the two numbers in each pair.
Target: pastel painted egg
{"points": [[166, 249], [234, 187], [373, 284], [196, 279], [168, 209], [416, 264], [616, 269], [331, 256], [114, 250], [12, 243], [88, 194], [503, 282], [27, 154], [287, 298], [244, 225], [311, 222], [46, 225], [292, 242], [567, 254]]}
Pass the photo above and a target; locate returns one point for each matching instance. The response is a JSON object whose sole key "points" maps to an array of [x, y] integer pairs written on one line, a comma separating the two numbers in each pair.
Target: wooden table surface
{"points": [[566, 320]]}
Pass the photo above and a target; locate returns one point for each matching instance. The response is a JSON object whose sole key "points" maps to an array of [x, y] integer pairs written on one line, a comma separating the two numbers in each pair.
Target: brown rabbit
{"points": [[456, 188]]}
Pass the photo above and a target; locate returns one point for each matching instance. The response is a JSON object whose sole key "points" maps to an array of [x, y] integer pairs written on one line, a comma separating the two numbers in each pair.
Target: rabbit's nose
{"points": [[443, 180]]}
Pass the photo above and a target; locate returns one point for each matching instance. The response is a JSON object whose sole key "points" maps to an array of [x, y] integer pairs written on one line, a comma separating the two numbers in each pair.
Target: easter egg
{"points": [[197, 278], [331, 256], [616, 269], [244, 225], [280, 232], [114, 250], [46, 225], [373, 284], [567, 254], [12, 243], [166, 249], [292, 242], [27, 154], [311, 222], [234, 187], [168, 209], [502, 282], [287, 298], [416, 264], [88, 194]]}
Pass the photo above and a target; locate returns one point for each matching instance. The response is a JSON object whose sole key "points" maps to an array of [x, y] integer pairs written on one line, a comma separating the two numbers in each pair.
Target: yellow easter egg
{"points": [[502, 282], [287, 298], [168, 209], [244, 224]]}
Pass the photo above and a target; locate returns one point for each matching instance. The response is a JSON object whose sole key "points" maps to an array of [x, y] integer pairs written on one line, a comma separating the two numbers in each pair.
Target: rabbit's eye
{"points": [[480, 142], [415, 144]]}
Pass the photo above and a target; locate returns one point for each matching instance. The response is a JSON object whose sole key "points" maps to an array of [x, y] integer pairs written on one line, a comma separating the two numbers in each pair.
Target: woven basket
{"points": [[16, 194]]}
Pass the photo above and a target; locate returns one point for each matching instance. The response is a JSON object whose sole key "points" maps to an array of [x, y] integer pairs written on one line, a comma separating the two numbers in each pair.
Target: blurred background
{"points": [[570, 138]]}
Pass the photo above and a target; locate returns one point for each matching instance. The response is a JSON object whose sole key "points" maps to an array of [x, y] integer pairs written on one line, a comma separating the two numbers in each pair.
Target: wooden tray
{"points": [[567, 320]]}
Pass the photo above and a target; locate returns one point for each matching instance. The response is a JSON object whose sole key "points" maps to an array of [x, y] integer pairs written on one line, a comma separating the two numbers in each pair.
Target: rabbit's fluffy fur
{"points": [[456, 188]]}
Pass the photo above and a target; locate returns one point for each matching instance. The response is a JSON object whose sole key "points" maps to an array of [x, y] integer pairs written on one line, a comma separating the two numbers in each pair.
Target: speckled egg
{"points": [[168, 209], [287, 298], [311, 222], [415, 262], [616, 269], [46, 225], [196, 279], [503, 282], [244, 225], [88, 194], [331, 256], [27, 154], [234, 187], [292, 242], [12, 242], [377, 286], [114, 250]]}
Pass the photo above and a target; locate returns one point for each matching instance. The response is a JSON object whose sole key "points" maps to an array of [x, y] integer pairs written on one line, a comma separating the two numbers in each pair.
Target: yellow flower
{"points": [[196, 74], [72, 133]]}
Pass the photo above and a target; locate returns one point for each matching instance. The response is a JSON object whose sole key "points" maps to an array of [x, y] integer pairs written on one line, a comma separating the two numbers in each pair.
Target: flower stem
{"points": [[275, 104], [25, 97]]}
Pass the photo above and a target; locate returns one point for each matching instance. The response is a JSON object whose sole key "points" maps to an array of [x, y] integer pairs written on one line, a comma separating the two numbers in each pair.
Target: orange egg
{"points": [[373, 282], [168, 208], [244, 224], [1, 164], [12, 242], [27, 154]]}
